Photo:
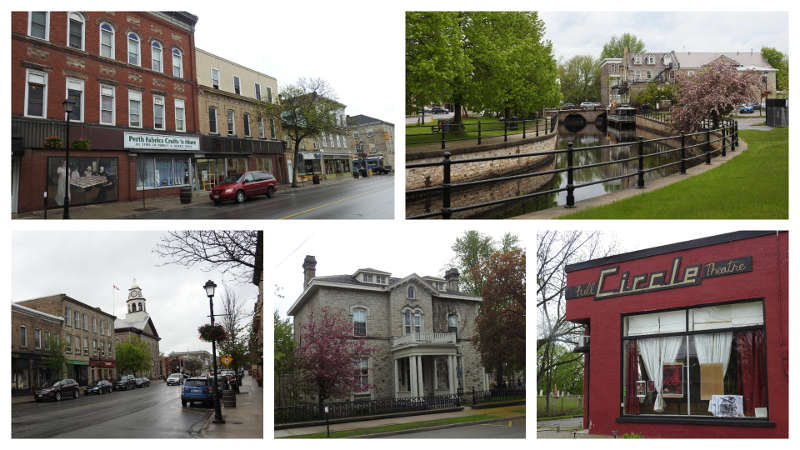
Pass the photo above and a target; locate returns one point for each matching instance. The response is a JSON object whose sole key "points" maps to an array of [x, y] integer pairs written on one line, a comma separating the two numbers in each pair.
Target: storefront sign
{"points": [[665, 279], [161, 141]]}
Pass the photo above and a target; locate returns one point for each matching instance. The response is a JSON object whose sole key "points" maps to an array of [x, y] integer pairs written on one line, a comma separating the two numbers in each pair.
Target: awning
{"points": [[311, 155], [78, 363]]}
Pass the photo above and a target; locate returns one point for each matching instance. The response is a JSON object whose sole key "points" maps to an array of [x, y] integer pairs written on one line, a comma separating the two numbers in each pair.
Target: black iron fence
{"points": [[498, 395], [660, 117], [728, 133], [341, 410], [446, 131]]}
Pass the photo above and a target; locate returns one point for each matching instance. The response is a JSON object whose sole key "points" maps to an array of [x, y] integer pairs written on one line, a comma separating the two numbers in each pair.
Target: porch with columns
{"points": [[422, 374]]}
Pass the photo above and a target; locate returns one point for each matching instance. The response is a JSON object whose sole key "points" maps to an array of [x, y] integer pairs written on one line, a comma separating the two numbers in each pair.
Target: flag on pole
{"points": [[115, 286]]}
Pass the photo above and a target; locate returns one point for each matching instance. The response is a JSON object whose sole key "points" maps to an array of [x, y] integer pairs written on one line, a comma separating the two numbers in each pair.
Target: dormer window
{"points": [[367, 278], [651, 59], [380, 279], [637, 59], [412, 292]]}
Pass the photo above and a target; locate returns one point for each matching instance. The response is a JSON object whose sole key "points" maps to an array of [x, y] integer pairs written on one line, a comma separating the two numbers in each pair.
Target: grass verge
{"points": [[754, 185], [486, 414]]}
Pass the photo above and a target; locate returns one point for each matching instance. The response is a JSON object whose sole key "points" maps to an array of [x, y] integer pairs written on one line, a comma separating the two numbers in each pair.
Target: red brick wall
{"points": [[63, 62]]}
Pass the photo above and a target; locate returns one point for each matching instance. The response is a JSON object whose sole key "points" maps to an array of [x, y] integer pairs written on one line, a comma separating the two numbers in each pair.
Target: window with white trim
{"points": [[180, 115], [359, 322], [157, 56], [177, 63], [134, 49], [107, 105], [452, 323], [258, 91], [76, 340], [158, 112], [637, 59], [39, 24], [651, 59], [237, 89], [106, 40], [94, 347], [412, 292], [272, 129], [134, 108], [85, 322], [23, 336], [76, 27], [47, 339], [269, 94], [367, 276], [246, 118], [36, 93], [85, 345], [261, 127], [231, 122], [94, 324], [215, 78], [75, 94], [212, 120], [68, 343], [362, 375]]}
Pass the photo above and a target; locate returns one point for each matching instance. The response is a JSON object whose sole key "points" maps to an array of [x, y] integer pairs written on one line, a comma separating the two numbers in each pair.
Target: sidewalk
{"points": [[246, 420], [467, 411], [132, 209]]}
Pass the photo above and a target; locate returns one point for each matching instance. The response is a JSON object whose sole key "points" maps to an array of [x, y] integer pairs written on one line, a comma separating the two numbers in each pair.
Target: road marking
{"points": [[324, 205]]}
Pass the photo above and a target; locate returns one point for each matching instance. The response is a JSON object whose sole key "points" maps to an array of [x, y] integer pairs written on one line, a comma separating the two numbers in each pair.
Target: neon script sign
{"points": [[672, 278]]}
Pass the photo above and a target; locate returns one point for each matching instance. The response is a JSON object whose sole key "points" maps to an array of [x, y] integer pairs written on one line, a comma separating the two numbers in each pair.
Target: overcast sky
{"points": [[585, 33], [85, 266]]}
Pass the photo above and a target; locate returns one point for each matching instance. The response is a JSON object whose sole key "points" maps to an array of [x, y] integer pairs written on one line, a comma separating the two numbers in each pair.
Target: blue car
{"points": [[197, 389], [746, 109]]}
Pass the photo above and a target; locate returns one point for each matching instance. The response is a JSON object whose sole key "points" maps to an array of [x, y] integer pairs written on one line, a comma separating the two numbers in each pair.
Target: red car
{"points": [[240, 186]]}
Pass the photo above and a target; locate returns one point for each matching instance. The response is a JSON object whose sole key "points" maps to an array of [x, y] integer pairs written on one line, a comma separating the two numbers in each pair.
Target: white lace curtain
{"points": [[656, 351], [714, 348]]}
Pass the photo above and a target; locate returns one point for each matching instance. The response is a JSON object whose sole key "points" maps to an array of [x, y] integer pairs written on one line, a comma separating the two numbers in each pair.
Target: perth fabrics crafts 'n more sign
{"points": [[669, 278]]}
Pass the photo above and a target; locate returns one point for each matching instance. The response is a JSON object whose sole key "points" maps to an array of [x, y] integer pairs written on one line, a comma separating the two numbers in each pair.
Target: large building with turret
{"points": [[137, 324]]}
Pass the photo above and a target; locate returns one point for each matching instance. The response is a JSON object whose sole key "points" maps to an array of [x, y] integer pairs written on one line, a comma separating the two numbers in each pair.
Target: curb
{"points": [[498, 404], [434, 428], [318, 423], [199, 429]]}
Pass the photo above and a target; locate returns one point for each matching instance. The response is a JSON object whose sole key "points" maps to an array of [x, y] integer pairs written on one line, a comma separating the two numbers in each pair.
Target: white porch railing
{"points": [[424, 338]]}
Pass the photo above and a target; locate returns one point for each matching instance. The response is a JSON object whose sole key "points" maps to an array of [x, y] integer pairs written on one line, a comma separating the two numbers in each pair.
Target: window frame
{"points": [[155, 44], [46, 25], [411, 292], [230, 121], [182, 107], [262, 134], [216, 121], [237, 85], [82, 21], [353, 311], [113, 104], [246, 124], [156, 98], [132, 96], [179, 59], [138, 41], [23, 336], [77, 82], [113, 39], [257, 90], [219, 74], [28, 73], [269, 94]]}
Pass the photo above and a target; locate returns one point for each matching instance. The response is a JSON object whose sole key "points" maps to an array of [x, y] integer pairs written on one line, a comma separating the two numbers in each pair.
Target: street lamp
{"points": [[210, 287], [68, 106]]}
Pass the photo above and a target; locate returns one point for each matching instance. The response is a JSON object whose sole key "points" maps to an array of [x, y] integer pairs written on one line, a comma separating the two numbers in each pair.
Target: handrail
{"points": [[727, 134], [545, 126]]}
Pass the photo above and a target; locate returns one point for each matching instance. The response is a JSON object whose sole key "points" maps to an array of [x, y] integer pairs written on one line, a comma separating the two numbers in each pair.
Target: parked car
{"points": [[197, 389], [124, 383], [240, 186], [60, 389], [746, 109], [439, 110], [174, 379], [142, 382], [568, 106], [100, 388], [757, 106]]}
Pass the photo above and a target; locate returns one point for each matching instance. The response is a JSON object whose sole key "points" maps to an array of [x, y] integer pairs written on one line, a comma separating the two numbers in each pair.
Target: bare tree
{"points": [[232, 252], [234, 313], [555, 250]]}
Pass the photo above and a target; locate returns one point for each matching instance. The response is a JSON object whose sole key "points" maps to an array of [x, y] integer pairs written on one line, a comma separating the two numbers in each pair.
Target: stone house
{"points": [[420, 326], [373, 136]]}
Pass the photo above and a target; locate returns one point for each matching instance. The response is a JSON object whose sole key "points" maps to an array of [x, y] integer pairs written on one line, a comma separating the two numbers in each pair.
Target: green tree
{"points": [[133, 356], [655, 93], [779, 61], [284, 345], [567, 370], [615, 47], [193, 365], [579, 79], [306, 109], [55, 362]]}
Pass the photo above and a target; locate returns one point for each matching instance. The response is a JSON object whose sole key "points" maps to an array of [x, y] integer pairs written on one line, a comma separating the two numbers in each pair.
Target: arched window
{"points": [[177, 63], [407, 322], [452, 323], [157, 56], [106, 40], [140, 307], [359, 322], [75, 30], [412, 322], [411, 292], [134, 49]]}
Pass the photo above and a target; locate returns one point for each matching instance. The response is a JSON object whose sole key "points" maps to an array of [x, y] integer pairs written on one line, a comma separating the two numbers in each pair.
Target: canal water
{"points": [[593, 135]]}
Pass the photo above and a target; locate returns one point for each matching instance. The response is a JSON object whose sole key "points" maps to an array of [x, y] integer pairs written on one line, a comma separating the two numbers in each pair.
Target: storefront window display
{"points": [[161, 171], [310, 167], [92, 180], [264, 164]]}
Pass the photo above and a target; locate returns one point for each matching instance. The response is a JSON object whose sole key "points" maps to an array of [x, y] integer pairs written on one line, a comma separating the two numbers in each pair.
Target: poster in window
{"points": [[91, 180], [673, 380], [641, 388]]}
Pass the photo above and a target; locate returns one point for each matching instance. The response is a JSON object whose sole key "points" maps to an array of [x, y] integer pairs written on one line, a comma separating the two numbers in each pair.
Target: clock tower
{"points": [[136, 303]]}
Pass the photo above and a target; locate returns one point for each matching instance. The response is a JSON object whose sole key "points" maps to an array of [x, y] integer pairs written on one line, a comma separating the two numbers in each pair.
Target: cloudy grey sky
{"points": [[85, 266], [584, 33]]}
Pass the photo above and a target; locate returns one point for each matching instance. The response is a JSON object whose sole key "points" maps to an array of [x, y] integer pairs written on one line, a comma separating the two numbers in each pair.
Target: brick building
{"points": [[33, 333], [421, 327], [236, 136], [87, 333], [372, 136], [133, 129]]}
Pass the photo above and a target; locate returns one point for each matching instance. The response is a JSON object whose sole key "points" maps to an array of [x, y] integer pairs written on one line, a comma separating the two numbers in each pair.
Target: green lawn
{"points": [[416, 135], [559, 407], [754, 185]]}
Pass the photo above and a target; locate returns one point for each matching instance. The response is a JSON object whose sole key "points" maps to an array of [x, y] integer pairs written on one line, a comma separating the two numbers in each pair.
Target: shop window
{"points": [[158, 112], [106, 40], [180, 115], [107, 105], [134, 109], [177, 63], [237, 89], [75, 95], [359, 322], [156, 172], [212, 120], [75, 30], [157, 56], [712, 365], [215, 78], [134, 49], [92, 180], [264, 164], [39, 24]]}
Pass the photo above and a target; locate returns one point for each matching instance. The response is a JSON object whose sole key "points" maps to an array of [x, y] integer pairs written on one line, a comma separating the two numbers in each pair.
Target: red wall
{"points": [[768, 280]]}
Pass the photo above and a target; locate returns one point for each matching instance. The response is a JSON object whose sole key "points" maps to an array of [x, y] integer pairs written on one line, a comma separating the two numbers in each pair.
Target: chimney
{"points": [[452, 279], [309, 269]]}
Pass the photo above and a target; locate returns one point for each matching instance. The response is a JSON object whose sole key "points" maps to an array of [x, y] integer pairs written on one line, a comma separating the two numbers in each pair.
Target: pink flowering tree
{"points": [[712, 94], [328, 354]]}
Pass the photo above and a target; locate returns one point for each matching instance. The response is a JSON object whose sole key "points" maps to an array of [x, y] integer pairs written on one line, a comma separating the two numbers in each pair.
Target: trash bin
{"points": [[228, 398], [315, 179], [186, 194]]}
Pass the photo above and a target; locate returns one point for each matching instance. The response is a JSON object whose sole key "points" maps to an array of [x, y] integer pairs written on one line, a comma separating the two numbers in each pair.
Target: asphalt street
{"points": [[150, 412], [365, 198], [494, 430]]}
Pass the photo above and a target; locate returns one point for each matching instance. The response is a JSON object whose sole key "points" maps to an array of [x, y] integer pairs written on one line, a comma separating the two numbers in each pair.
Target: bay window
{"points": [[704, 361]]}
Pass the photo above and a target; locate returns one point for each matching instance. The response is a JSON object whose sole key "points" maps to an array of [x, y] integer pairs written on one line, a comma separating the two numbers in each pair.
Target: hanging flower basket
{"points": [[80, 144], [214, 332], [53, 142]]}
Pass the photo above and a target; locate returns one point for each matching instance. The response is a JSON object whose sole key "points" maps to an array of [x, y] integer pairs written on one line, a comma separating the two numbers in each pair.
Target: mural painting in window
{"points": [[91, 180]]}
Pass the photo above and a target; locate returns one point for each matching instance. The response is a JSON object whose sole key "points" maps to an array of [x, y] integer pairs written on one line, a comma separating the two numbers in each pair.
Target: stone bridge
{"points": [[576, 119]]}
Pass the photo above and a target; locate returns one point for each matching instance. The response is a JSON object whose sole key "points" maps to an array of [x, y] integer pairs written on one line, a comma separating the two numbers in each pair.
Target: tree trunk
{"points": [[507, 114], [294, 163], [457, 110]]}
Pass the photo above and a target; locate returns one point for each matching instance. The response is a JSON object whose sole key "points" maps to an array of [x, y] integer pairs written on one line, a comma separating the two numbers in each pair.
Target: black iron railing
{"points": [[446, 131], [498, 395], [340, 410], [728, 136]]}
